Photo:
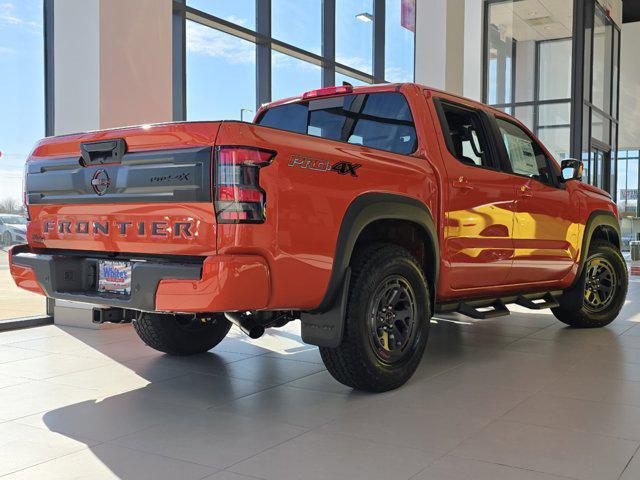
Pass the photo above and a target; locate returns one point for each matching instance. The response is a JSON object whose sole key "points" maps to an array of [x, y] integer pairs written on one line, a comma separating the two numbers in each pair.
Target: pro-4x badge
{"points": [[341, 168]]}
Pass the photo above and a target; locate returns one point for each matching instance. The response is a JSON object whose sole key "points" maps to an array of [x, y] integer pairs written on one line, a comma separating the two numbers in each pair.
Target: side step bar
{"points": [[548, 301], [497, 307]]}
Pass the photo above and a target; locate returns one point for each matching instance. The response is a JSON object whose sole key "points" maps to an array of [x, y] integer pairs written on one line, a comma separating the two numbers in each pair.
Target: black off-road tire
{"points": [[357, 362], [575, 310], [180, 334]]}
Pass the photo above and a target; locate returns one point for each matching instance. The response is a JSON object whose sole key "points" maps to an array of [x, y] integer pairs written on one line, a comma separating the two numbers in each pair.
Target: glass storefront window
{"points": [[21, 125], [528, 62], [297, 29], [525, 115], [554, 114], [602, 67], [292, 77], [240, 12], [354, 34], [210, 95], [556, 139], [555, 69], [627, 191], [298, 22], [616, 73], [399, 42], [345, 78], [600, 127], [554, 128], [525, 40], [499, 63]]}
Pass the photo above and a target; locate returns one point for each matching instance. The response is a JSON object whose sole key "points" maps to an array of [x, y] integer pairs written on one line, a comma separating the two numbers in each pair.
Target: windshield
{"points": [[13, 220], [377, 120]]}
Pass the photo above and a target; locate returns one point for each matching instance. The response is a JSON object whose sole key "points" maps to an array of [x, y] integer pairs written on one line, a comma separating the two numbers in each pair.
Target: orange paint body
{"points": [[493, 240]]}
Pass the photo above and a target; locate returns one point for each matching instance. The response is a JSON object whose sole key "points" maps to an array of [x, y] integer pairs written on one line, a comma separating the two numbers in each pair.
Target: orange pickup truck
{"points": [[359, 211]]}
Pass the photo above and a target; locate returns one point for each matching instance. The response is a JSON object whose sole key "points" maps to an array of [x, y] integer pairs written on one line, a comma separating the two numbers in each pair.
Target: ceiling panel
{"points": [[530, 9]]}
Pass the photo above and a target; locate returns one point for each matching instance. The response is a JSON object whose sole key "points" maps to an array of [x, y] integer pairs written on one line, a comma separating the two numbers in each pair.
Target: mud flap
{"points": [[326, 329]]}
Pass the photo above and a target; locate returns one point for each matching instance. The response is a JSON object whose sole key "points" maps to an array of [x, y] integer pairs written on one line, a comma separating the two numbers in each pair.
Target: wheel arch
{"points": [[601, 225], [371, 217]]}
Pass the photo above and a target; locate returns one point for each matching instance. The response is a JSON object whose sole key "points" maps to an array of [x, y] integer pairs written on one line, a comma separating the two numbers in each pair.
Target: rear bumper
{"points": [[217, 284]]}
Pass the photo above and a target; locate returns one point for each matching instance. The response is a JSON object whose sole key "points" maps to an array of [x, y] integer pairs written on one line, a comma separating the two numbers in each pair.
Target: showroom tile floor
{"points": [[518, 397]]}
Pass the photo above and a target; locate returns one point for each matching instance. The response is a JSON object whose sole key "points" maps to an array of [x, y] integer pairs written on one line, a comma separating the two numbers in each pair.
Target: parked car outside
{"points": [[13, 229]]}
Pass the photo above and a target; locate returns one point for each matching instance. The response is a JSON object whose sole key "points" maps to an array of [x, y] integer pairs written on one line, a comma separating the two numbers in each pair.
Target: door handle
{"points": [[525, 191], [462, 184]]}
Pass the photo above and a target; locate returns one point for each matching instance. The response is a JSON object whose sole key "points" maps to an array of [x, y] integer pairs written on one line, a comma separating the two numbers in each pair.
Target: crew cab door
{"points": [[546, 228], [478, 201]]}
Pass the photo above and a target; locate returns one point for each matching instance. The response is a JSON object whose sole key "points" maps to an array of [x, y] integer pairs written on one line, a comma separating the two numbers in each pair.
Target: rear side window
{"points": [[466, 140], [376, 120], [525, 155]]}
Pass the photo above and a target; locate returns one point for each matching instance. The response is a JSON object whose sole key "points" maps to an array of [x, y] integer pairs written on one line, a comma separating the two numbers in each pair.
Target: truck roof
{"points": [[381, 87]]}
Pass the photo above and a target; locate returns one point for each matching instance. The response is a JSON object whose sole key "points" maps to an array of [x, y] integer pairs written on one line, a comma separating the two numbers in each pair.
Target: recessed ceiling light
{"points": [[365, 17]]}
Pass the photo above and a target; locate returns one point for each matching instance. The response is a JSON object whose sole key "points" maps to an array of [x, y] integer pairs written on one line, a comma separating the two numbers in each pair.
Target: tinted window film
{"points": [[292, 117], [467, 141], [377, 120], [525, 155]]}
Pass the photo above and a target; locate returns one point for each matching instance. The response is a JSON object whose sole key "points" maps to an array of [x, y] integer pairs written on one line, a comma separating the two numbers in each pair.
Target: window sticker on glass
{"points": [[523, 158]]}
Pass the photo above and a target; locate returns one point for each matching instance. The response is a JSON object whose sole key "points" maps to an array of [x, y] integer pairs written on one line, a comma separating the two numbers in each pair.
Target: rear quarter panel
{"points": [[305, 208]]}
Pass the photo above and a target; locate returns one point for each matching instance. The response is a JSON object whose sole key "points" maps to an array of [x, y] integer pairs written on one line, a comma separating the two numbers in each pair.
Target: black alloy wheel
{"points": [[392, 317], [600, 285]]}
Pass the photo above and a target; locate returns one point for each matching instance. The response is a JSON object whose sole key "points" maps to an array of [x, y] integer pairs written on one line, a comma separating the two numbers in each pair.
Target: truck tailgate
{"points": [[134, 190]]}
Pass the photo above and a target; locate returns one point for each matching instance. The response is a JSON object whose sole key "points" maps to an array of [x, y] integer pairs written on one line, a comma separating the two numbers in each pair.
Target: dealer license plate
{"points": [[114, 277]]}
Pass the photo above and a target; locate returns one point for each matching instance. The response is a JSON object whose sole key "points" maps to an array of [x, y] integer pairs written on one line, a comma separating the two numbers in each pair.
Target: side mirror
{"points": [[571, 169]]}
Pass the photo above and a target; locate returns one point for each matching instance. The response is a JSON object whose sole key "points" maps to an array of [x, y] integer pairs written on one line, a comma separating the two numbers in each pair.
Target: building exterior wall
{"points": [[76, 65], [135, 59], [449, 45], [112, 63]]}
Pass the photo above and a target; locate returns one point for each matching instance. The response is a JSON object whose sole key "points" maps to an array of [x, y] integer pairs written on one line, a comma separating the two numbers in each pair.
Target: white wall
{"points": [[629, 136], [136, 62], [449, 45], [473, 13], [76, 65], [431, 34], [112, 63]]}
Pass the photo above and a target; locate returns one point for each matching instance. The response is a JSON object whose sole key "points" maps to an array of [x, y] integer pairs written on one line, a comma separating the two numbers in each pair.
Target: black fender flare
{"points": [[597, 218], [323, 326]]}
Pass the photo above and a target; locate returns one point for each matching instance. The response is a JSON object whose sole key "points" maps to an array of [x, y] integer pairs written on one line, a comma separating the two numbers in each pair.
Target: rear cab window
{"points": [[465, 135], [377, 120]]}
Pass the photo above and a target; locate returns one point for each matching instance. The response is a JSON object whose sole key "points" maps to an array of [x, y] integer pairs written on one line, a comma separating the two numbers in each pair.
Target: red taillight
{"points": [[238, 196], [323, 92]]}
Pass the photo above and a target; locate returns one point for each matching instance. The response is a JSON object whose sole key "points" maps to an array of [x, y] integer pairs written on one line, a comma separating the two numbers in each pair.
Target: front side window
{"points": [[525, 155], [376, 120]]}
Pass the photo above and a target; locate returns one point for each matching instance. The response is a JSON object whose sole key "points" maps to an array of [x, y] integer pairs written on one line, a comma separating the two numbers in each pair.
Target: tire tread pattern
{"points": [[571, 310], [162, 333], [348, 363]]}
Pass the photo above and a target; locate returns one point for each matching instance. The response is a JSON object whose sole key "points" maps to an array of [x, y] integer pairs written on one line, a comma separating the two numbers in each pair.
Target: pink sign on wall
{"points": [[408, 16]]}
